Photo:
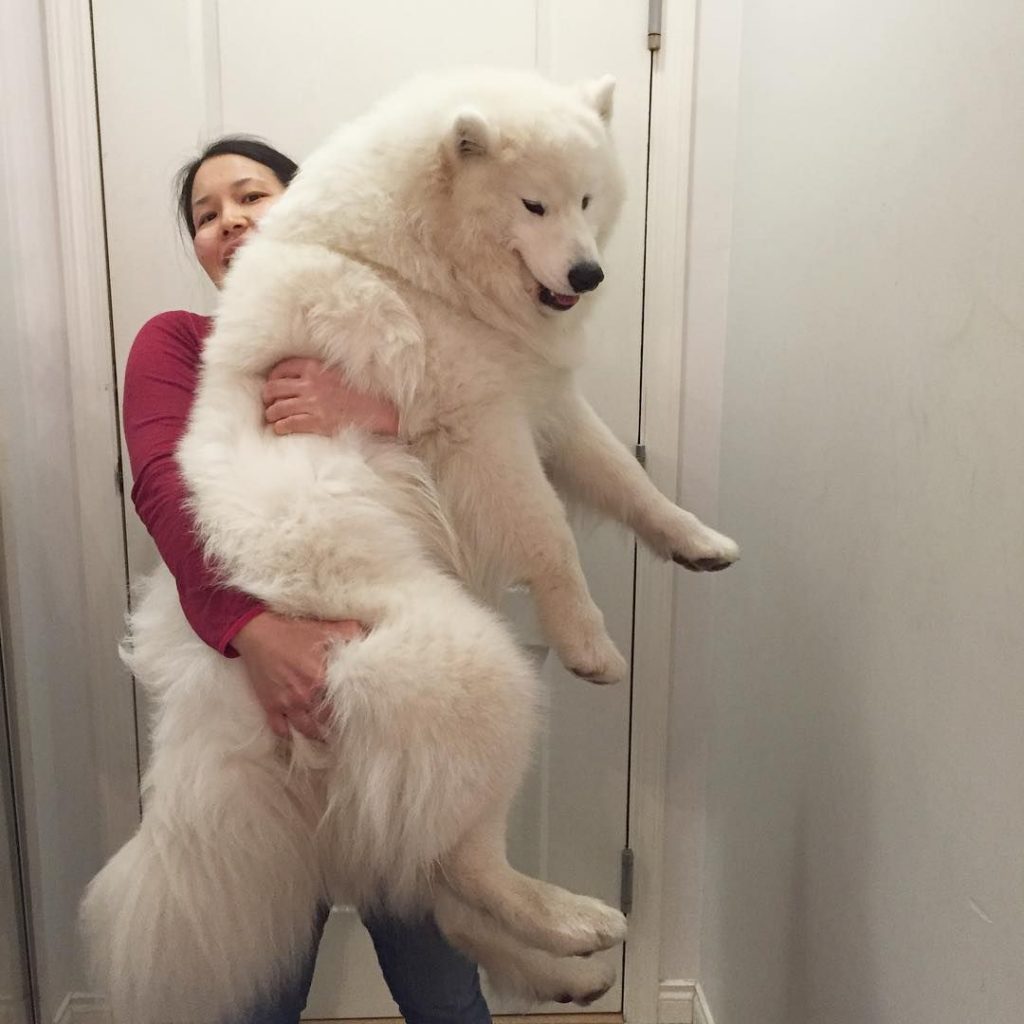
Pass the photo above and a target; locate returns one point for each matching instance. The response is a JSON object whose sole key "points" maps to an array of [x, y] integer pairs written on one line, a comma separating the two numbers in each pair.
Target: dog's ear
{"points": [[470, 134], [599, 94]]}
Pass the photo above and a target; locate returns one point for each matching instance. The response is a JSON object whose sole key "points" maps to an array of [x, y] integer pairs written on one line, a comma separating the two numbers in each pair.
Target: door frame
{"points": [[83, 256], [666, 357]]}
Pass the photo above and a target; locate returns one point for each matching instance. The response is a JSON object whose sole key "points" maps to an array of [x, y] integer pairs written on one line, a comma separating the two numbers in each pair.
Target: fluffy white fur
{"points": [[404, 254]]}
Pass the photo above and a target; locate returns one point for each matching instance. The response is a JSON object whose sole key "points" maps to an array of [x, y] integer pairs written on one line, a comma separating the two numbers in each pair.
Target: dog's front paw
{"points": [[699, 548], [712, 553], [588, 926]]}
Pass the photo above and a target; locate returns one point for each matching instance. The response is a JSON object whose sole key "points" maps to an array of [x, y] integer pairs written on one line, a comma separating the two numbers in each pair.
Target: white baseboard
{"points": [[679, 1002], [83, 1008], [683, 1002]]}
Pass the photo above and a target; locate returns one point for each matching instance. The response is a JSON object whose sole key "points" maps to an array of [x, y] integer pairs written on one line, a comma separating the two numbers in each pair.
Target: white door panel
{"points": [[172, 76]]}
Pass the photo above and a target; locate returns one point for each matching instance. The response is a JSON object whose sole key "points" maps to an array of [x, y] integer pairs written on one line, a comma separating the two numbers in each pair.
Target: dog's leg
{"points": [[517, 970], [537, 913], [433, 716], [508, 514], [588, 462]]}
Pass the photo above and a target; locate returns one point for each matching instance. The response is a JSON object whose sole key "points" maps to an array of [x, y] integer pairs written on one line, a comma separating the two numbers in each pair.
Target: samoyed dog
{"points": [[440, 251]]}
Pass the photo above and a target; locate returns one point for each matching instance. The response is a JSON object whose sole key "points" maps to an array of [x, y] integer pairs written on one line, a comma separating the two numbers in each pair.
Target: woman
{"points": [[222, 196]]}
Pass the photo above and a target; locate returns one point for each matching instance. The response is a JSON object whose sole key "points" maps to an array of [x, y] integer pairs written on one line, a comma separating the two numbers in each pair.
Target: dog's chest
{"points": [[476, 375]]}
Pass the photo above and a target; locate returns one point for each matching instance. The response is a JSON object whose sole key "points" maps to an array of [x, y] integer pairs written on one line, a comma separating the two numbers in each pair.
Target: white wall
{"points": [[864, 856]]}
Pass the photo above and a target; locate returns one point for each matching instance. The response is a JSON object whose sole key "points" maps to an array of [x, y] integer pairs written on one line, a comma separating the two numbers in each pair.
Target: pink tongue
{"points": [[566, 300]]}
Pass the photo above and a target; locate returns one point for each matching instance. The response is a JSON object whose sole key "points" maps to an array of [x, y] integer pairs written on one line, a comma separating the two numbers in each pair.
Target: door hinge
{"points": [[119, 479], [654, 24], [640, 450], [626, 881]]}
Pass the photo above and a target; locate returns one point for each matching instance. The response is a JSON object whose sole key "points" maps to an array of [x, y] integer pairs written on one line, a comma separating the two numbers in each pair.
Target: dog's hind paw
{"points": [[583, 983], [584, 925], [540, 977], [600, 663]]}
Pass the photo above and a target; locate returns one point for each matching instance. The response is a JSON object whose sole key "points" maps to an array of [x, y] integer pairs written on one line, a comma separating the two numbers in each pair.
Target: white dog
{"points": [[436, 250]]}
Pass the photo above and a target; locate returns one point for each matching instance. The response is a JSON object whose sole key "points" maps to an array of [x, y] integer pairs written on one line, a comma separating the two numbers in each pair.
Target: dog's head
{"points": [[535, 186]]}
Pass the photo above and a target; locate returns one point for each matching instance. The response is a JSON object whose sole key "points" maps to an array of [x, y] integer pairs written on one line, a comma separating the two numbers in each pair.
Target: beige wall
{"points": [[864, 848]]}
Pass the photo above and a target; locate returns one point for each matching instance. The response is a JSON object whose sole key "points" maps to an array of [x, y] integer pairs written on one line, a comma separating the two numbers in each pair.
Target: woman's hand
{"points": [[285, 660], [303, 396]]}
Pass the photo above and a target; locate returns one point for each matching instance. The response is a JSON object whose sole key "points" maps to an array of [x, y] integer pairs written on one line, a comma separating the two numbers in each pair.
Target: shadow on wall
{"points": [[791, 823]]}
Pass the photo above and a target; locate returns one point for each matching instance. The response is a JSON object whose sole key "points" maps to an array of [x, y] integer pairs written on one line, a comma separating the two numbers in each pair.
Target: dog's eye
{"points": [[586, 202], [534, 207]]}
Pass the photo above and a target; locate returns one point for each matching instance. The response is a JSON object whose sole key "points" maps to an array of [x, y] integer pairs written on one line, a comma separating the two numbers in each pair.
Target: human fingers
{"points": [[301, 424], [330, 633], [283, 387], [322, 715], [347, 629], [305, 723], [285, 407], [387, 421], [278, 724], [327, 633], [295, 366]]}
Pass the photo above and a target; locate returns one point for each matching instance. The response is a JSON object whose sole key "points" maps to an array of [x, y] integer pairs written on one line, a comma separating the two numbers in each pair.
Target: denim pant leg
{"points": [[287, 1006], [431, 982]]}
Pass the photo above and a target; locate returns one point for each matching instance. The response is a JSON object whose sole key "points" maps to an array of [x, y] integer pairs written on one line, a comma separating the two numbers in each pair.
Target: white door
{"points": [[172, 76], [14, 972]]}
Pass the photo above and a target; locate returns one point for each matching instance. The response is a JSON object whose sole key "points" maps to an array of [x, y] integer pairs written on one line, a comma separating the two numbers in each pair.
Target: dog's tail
{"points": [[201, 921]]}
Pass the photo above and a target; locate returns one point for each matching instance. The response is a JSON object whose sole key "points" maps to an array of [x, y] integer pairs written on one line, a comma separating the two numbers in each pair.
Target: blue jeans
{"points": [[431, 982]]}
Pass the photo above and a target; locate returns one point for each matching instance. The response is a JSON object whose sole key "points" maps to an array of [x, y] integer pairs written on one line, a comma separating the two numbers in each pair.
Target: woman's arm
{"points": [[160, 383], [284, 658]]}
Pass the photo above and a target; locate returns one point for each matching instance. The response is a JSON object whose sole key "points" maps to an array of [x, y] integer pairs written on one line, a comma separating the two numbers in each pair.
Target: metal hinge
{"points": [[626, 881], [654, 24], [640, 450], [119, 479]]}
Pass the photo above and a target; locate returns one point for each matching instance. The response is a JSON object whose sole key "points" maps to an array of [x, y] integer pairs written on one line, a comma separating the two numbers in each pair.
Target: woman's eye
{"points": [[252, 197], [586, 202], [204, 218], [534, 207]]}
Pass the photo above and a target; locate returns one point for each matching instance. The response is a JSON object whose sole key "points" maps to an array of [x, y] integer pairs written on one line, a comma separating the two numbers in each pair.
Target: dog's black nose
{"points": [[585, 276]]}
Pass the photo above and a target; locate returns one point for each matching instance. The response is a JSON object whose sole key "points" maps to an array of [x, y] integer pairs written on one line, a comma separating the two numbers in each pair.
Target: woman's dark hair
{"points": [[283, 168]]}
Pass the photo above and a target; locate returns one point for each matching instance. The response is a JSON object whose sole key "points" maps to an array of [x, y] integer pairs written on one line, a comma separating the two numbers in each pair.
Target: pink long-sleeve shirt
{"points": [[159, 386]]}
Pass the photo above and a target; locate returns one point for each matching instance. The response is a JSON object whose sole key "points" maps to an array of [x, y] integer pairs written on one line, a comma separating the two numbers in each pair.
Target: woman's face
{"points": [[229, 195]]}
